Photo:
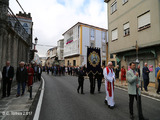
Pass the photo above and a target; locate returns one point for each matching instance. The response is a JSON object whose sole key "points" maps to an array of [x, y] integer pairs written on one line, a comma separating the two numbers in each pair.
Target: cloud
{"points": [[51, 18]]}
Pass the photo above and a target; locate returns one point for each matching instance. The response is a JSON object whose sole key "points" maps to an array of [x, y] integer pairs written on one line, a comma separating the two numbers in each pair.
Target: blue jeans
{"points": [[23, 87]]}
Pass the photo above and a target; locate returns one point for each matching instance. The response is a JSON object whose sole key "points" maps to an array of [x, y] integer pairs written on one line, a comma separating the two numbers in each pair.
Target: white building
{"points": [[51, 55], [76, 40], [60, 49]]}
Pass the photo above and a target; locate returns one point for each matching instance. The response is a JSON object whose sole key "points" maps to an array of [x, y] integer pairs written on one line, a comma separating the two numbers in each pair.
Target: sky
{"points": [[51, 18]]}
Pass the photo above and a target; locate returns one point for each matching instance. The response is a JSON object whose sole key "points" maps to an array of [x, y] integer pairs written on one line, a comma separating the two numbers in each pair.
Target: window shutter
{"points": [[115, 34], [144, 20], [126, 26]]}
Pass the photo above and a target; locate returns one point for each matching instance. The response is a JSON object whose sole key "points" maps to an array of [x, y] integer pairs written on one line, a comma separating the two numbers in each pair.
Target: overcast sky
{"points": [[51, 18]]}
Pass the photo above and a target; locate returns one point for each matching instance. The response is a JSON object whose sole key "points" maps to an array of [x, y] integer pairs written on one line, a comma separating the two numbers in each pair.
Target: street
{"points": [[62, 102]]}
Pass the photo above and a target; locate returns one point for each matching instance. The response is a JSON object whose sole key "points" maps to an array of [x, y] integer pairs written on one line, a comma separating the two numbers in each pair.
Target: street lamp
{"points": [[36, 39]]}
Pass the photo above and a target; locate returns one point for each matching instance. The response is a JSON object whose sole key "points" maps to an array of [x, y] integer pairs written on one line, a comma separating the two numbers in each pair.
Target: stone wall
{"points": [[12, 47]]}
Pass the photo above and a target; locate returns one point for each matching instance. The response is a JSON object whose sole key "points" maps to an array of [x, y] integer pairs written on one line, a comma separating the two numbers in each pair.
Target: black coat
{"points": [[10, 72], [145, 73], [117, 72], [99, 75], [81, 75], [21, 76]]}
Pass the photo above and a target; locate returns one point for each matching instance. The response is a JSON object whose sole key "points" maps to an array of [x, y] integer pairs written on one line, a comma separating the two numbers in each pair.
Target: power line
{"points": [[20, 6], [45, 45]]}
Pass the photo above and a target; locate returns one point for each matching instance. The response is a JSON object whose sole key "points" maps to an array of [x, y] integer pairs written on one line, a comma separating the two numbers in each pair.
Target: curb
{"points": [[143, 93], [38, 109]]}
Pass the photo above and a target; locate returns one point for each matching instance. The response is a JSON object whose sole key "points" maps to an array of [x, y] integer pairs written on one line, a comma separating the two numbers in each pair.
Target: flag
{"points": [[93, 60]]}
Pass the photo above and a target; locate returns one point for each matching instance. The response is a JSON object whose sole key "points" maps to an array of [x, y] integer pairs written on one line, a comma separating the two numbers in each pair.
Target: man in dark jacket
{"points": [[22, 77], [81, 75], [7, 76], [146, 76], [99, 77]]}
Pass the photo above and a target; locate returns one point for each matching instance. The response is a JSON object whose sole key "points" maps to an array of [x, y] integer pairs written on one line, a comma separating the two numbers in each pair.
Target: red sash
{"points": [[109, 86]]}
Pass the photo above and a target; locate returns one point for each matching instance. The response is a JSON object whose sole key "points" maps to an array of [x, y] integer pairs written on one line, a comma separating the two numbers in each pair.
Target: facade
{"points": [[134, 25], [43, 60], [60, 51], [76, 40], [15, 42], [51, 55]]}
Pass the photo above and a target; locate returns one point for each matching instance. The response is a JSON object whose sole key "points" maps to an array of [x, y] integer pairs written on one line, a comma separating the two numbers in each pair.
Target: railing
{"points": [[15, 24]]}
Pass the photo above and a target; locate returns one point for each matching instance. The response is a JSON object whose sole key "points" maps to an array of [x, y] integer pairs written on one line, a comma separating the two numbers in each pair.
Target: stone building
{"points": [[15, 42], [134, 25]]}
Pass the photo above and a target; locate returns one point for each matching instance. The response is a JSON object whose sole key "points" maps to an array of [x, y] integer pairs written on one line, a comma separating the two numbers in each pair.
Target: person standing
{"points": [[22, 77], [139, 73], [146, 76], [7, 77], [30, 76], [158, 79], [35, 68], [92, 82], [81, 75], [133, 85], [157, 69], [99, 77], [39, 72], [117, 73], [123, 75], [109, 77]]}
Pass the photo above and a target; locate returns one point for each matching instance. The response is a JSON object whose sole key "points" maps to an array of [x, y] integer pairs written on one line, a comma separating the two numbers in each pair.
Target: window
{"points": [[103, 48], [115, 34], [124, 1], [92, 45], [111, 55], [103, 37], [68, 62], [92, 34], [144, 21], [126, 29], [113, 7], [74, 62]]}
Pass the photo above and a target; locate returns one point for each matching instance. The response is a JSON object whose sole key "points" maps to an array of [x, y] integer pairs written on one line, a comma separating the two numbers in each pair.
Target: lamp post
{"points": [[36, 40]]}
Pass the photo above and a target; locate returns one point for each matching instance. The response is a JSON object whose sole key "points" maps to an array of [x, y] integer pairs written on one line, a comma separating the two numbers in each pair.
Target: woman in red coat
{"points": [[30, 75], [123, 75]]}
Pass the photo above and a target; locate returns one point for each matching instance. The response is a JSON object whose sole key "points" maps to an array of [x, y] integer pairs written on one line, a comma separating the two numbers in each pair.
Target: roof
{"points": [[80, 23], [52, 48], [106, 1]]}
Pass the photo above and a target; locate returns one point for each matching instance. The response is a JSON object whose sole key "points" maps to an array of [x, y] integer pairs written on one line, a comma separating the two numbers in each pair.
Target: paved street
{"points": [[62, 102]]}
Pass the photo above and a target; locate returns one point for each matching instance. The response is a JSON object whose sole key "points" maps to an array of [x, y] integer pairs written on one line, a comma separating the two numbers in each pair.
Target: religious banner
{"points": [[93, 60]]}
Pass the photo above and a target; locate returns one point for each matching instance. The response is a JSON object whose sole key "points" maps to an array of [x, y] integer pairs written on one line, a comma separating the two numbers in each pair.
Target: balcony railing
{"points": [[15, 24]]}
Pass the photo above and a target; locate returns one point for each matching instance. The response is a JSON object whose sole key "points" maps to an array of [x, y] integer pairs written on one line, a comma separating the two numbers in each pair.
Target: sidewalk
{"points": [[18, 108], [151, 89]]}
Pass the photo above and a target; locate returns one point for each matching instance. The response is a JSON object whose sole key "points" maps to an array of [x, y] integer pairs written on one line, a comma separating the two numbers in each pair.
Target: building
{"points": [[15, 42], [134, 25], [60, 51], [43, 60], [51, 55], [76, 40]]}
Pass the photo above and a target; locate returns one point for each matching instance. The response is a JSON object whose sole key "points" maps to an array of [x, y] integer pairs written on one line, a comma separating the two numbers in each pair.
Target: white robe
{"points": [[109, 78]]}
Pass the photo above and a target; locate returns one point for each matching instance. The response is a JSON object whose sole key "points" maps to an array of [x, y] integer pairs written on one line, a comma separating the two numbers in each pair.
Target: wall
{"points": [[129, 12], [12, 46], [77, 58]]}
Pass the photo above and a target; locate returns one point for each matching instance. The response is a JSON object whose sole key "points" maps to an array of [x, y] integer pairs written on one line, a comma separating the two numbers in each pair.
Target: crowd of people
{"points": [[58, 70], [26, 75], [145, 79]]}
